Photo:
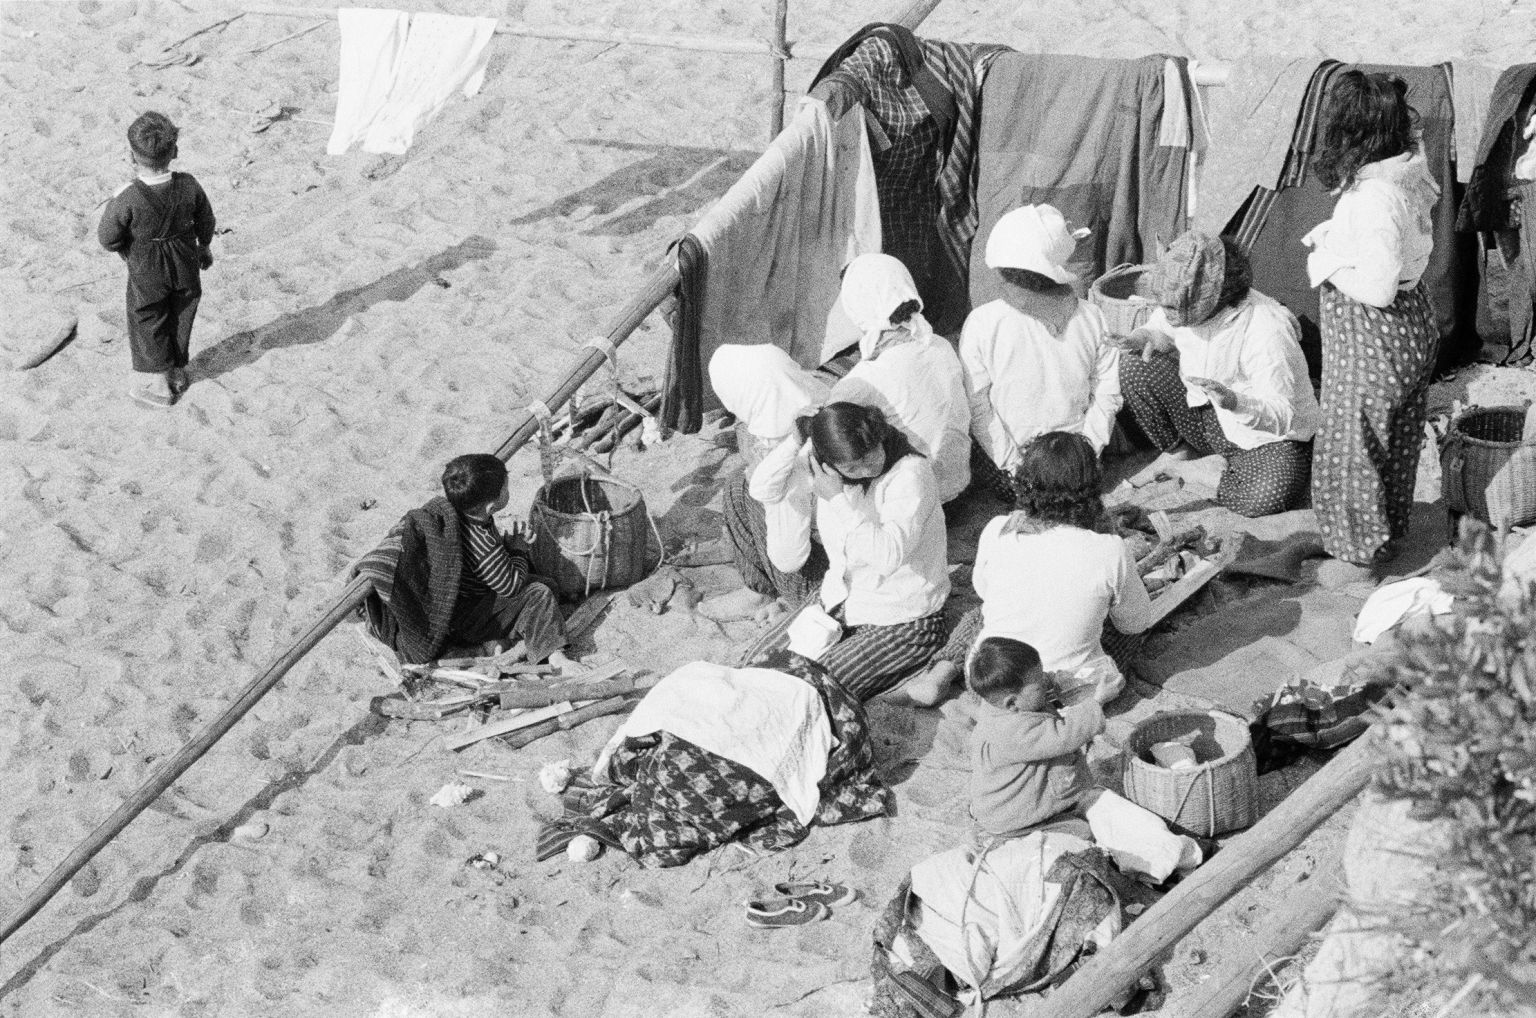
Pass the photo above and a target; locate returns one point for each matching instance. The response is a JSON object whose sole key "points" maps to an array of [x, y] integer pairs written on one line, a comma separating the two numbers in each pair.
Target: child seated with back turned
{"points": [[1029, 765], [447, 576]]}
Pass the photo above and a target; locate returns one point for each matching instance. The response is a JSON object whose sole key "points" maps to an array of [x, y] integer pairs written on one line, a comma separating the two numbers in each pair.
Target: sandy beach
{"points": [[368, 318]]}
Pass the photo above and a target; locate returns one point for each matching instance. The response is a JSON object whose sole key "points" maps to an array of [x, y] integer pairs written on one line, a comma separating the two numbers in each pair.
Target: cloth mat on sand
{"points": [[1276, 560], [1252, 647]]}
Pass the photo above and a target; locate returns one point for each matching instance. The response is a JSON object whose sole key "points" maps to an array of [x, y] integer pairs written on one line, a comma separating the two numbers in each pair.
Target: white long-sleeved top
{"points": [[1254, 349], [920, 387], [1378, 239], [1053, 589], [886, 550], [782, 483], [1025, 381]]}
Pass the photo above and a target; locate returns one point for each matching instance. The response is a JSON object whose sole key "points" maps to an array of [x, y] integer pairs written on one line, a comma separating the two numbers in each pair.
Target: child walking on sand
{"points": [[1029, 765], [161, 224]]}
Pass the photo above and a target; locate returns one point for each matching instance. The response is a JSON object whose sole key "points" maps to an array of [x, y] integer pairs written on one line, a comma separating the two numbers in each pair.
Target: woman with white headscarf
{"points": [[769, 508], [911, 375]]}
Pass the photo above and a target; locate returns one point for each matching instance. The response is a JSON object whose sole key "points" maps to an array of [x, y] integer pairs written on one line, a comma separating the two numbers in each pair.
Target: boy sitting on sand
{"points": [[1029, 765], [446, 576], [162, 225]]}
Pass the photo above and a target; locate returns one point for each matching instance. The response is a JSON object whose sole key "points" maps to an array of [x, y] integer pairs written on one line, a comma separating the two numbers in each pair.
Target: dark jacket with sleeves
{"points": [[158, 228]]}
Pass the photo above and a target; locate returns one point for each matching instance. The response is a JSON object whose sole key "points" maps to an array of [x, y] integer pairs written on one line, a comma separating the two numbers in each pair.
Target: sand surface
{"points": [[368, 318]]}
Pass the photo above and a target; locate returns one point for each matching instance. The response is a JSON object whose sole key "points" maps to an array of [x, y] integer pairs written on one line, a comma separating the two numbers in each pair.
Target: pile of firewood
{"points": [[513, 700]]}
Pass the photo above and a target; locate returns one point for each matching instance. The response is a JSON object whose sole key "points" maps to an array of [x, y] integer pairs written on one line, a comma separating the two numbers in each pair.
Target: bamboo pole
{"points": [[1116, 968], [779, 44], [573, 33], [166, 774], [660, 285]]}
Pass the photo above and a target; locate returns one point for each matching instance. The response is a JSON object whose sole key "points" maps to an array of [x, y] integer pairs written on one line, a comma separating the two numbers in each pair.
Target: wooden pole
{"points": [[779, 44], [1116, 969], [660, 285], [166, 774], [1309, 906]]}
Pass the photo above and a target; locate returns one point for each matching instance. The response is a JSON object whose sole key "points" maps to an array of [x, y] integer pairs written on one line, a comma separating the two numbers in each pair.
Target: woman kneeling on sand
{"points": [[769, 507], [1047, 578], [878, 616], [1221, 369]]}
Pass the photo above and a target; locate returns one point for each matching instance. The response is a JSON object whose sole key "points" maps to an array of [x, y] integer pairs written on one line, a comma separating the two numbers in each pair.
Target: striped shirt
{"points": [[489, 566]]}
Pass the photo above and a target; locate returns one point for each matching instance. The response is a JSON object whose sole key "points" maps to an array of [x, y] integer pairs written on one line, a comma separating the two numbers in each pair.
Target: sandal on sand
{"points": [[830, 895], [776, 912], [150, 397]]}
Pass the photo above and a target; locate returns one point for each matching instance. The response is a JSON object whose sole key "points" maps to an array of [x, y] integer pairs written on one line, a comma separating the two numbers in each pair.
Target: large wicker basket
{"points": [[590, 534], [1485, 470], [1219, 793], [1121, 294]]}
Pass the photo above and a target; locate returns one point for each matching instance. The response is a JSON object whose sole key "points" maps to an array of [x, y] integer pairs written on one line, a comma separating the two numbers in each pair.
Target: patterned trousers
{"points": [[1257, 482], [746, 527], [1377, 366], [868, 660]]}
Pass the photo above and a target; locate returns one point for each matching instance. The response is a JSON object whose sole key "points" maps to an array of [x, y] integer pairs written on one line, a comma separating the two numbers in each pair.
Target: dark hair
{"points": [[1026, 279], [1368, 118], [1001, 665], [152, 137], [473, 480], [1237, 277], [905, 310], [1057, 480], [848, 431]]}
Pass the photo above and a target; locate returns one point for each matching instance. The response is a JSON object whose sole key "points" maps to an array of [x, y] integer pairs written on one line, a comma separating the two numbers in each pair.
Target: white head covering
{"points": [[1034, 237], [874, 285], [764, 387]]}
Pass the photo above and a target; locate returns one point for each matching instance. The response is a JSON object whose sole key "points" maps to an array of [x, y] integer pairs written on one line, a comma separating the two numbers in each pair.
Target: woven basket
{"points": [[1485, 470], [1122, 296], [591, 534], [1220, 793]]}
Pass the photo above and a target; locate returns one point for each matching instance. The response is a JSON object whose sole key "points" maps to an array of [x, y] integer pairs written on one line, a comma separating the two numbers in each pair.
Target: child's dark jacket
{"points": [[416, 574], [158, 228]]}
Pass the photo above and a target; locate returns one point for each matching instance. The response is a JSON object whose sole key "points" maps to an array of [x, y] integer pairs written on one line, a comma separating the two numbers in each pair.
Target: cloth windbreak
{"points": [[764, 387], [874, 286]]}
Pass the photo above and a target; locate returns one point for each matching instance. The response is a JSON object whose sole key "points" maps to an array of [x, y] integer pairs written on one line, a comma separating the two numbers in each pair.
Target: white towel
{"points": [[371, 44], [771, 723], [1396, 602], [443, 52]]}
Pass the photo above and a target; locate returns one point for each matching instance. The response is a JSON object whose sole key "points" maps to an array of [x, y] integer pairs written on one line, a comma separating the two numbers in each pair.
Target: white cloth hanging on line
{"points": [[399, 70]]}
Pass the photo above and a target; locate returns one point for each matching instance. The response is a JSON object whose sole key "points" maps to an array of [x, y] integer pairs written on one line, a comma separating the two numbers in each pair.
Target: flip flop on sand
{"points": [[150, 397], [776, 912], [830, 895]]}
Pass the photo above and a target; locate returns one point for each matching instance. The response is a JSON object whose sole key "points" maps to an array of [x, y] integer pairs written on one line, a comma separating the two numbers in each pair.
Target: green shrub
{"points": [[1460, 744]]}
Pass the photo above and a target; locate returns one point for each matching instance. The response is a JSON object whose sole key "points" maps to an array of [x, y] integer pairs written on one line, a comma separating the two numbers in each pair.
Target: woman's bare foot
{"points": [[933, 686]]}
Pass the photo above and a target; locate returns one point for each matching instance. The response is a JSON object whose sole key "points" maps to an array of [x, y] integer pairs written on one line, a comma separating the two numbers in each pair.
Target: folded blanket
{"points": [[415, 573]]}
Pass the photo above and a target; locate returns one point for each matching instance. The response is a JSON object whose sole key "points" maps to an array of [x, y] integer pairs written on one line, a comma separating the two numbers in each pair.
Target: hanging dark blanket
{"points": [[1080, 134], [1501, 208], [682, 405], [1272, 224]]}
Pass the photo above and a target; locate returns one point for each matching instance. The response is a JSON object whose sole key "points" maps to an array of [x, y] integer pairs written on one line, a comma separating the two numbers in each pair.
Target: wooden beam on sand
{"points": [[1114, 970], [661, 285], [1309, 906]]}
